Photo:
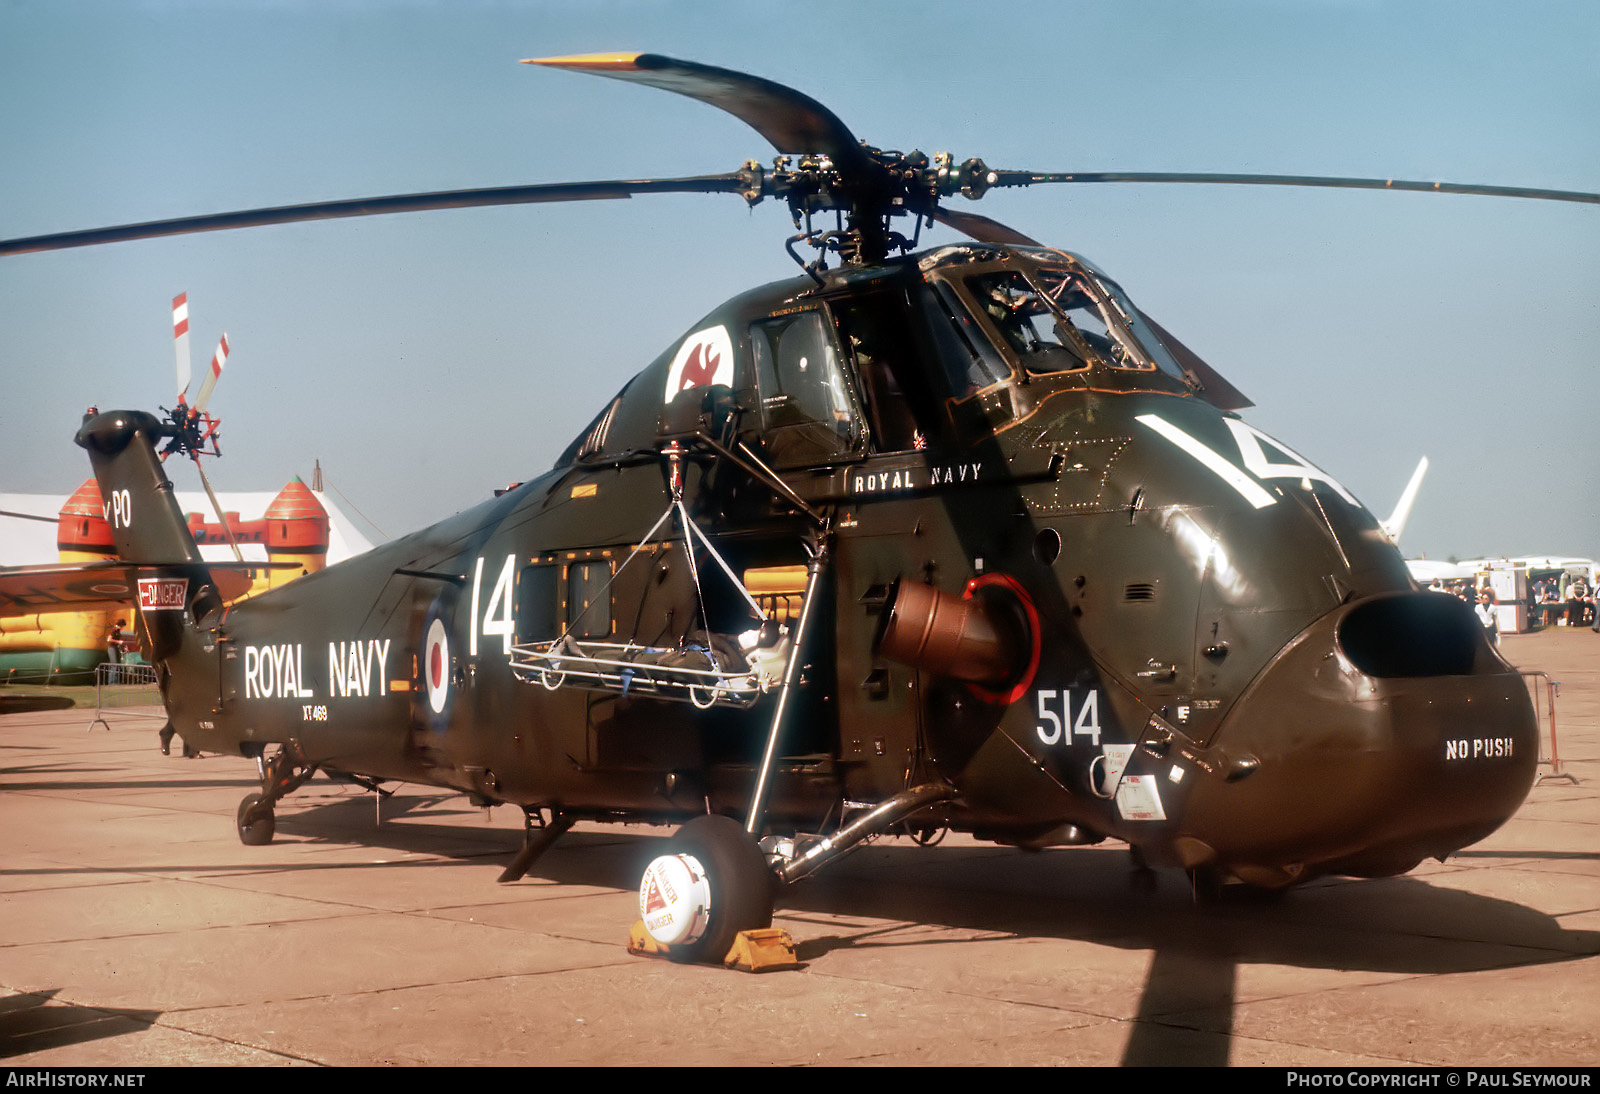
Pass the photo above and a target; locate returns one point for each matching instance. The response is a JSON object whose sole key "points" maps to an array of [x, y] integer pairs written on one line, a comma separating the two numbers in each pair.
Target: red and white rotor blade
{"points": [[209, 384], [180, 340]]}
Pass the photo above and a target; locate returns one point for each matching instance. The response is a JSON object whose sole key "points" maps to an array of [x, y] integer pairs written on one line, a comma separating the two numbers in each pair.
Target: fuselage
{"points": [[1196, 641]]}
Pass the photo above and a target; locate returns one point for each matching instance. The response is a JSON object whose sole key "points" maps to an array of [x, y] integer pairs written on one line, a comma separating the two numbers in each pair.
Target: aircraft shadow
{"points": [[1185, 1013], [29, 1024], [1086, 894], [132, 784], [33, 704]]}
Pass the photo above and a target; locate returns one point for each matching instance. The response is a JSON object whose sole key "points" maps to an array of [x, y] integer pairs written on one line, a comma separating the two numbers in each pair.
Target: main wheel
{"points": [[711, 885], [256, 822]]}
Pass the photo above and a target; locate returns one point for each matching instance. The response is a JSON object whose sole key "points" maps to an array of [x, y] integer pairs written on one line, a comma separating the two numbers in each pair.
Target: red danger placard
{"points": [[157, 594]]}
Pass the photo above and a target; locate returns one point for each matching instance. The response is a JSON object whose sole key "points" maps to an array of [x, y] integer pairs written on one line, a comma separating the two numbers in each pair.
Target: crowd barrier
{"points": [[128, 691], [1544, 691]]}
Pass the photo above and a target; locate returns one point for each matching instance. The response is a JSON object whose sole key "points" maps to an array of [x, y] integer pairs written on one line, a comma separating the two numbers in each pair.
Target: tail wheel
{"points": [[713, 884], [256, 822]]}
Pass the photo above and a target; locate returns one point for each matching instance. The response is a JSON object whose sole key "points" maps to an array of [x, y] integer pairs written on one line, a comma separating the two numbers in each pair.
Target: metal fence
{"points": [[1544, 692], [127, 691]]}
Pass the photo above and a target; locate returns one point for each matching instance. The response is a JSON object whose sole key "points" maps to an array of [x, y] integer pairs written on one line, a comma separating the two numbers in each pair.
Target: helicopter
{"points": [[918, 540]]}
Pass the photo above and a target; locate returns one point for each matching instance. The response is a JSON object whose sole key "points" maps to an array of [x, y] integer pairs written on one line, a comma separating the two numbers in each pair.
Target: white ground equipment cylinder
{"points": [[675, 900]]}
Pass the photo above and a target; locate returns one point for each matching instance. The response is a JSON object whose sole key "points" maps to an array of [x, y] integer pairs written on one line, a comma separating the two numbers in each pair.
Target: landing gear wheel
{"points": [[256, 822], [712, 884]]}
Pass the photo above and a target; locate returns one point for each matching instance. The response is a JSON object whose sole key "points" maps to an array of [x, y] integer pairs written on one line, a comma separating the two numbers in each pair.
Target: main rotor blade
{"points": [[378, 206], [1031, 178], [983, 229], [216, 507], [793, 122]]}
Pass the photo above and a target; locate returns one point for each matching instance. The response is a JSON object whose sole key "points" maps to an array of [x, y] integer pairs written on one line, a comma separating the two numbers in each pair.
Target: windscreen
{"points": [[1065, 317]]}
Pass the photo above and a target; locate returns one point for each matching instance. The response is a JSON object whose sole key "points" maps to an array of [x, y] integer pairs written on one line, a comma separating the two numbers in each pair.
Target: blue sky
{"points": [[427, 359]]}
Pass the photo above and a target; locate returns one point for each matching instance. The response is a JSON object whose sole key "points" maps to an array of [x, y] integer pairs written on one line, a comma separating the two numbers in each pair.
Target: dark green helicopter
{"points": [[957, 538]]}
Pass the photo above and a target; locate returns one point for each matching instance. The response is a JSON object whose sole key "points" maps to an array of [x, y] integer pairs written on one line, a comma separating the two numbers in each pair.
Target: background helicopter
{"points": [[1312, 720]]}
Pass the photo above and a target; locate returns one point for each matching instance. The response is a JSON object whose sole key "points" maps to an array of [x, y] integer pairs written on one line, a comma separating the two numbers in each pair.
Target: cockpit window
{"points": [[1154, 347], [970, 363], [1091, 318], [1102, 311], [806, 405], [1035, 332], [1069, 321]]}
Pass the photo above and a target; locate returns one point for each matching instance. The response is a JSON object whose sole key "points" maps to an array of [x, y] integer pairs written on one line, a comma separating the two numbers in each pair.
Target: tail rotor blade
{"points": [[180, 339], [209, 384]]}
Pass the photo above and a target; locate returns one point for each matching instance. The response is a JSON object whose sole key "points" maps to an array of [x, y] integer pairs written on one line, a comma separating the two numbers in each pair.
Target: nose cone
{"points": [[1386, 733]]}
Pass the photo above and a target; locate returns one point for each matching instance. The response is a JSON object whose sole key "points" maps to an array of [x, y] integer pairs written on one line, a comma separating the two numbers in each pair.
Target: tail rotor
{"points": [[190, 429], [209, 384]]}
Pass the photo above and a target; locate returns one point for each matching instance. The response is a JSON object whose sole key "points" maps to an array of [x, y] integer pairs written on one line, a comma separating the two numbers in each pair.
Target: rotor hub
{"points": [[867, 196]]}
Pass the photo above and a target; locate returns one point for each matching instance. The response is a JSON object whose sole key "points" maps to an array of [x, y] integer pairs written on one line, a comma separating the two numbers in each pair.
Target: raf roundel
{"points": [[436, 665]]}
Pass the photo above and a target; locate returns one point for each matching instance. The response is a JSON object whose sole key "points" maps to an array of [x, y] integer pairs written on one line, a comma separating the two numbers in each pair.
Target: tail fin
{"points": [[175, 585], [1402, 510]]}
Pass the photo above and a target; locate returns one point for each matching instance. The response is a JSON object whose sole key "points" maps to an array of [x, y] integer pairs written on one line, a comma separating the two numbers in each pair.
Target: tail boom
{"points": [[175, 585]]}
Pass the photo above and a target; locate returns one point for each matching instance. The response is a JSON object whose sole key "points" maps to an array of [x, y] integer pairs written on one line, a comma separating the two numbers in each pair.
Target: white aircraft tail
{"points": [[1402, 510]]}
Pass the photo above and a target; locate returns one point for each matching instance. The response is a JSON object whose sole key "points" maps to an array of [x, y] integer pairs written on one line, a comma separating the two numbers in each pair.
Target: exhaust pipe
{"points": [[989, 641]]}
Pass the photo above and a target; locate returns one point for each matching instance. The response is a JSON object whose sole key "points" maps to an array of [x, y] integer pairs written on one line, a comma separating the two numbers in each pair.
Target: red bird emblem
{"points": [[700, 369]]}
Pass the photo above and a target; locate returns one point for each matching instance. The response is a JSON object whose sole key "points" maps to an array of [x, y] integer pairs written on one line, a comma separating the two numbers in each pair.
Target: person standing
{"points": [[1577, 601], [114, 645], [1487, 616]]}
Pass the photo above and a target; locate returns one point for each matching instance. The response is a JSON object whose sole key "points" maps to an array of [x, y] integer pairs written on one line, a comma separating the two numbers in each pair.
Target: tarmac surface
{"points": [[136, 931]]}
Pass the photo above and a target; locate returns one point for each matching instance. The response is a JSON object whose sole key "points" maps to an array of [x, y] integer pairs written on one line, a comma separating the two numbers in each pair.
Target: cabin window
{"points": [[589, 599], [875, 330], [807, 409], [538, 608]]}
